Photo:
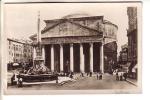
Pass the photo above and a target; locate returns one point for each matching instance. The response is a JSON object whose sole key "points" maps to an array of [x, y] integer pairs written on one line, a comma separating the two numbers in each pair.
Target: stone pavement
{"points": [[82, 83], [132, 81]]}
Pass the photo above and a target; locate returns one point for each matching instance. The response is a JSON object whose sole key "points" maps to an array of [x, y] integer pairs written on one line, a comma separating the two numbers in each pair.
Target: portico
{"points": [[74, 57]]}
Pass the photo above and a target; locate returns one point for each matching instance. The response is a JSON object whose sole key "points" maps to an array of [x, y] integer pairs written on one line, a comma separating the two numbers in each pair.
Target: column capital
{"points": [[71, 44], [61, 44], [91, 43]]}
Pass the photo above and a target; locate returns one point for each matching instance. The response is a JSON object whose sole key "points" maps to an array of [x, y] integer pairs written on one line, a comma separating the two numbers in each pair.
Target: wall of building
{"points": [[18, 52], [110, 31], [132, 35], [123, 57], [75, 27], [132, 41], [15, 52]]}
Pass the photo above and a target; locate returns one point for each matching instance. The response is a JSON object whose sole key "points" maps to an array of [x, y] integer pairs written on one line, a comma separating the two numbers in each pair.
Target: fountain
{"points": [[38, 72]]}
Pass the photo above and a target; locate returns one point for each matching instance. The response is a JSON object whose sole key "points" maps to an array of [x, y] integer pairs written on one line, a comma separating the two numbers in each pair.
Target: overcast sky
{"points": [[21, 19]]}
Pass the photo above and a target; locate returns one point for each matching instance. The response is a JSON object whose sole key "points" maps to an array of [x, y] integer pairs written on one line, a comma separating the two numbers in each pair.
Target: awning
{"points": [[15, 64], [134, 68]]}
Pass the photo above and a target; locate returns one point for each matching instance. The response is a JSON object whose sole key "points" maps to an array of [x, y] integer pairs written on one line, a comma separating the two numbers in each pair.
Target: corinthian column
{"points": [[52, 58], [91, 57], [102, 58], [61, 58], [81, 59], [71, 57]]}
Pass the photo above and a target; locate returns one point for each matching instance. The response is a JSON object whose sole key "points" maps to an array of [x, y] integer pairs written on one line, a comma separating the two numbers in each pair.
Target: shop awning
{"points": [[134, 68], [15, 64]]}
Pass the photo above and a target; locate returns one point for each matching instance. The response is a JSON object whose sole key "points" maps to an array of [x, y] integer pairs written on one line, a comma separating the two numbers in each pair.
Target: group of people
{"points": [[98, 75], [120, 76], [16, 80]]}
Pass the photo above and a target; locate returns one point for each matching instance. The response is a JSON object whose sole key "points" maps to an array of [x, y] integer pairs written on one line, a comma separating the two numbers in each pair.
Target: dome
{"points": [[76, 15]]}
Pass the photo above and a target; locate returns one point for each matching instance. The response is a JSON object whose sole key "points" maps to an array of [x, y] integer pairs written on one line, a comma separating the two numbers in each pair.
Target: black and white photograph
{"points": [[55, 48]]}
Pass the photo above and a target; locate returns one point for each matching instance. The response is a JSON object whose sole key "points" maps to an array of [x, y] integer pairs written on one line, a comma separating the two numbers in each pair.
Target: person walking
{"points": [[12, 79], [87, 74], [117, 76], [90, 74], [121, 77], [125, 76], [81, 74], [100, 76], [97, 76], [20, 81], [56, 77]]}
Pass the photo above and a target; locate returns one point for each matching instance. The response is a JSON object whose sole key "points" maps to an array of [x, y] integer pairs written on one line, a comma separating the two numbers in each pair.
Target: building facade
{"points": [[19, 51], [78, 44], [132, 37], [123, 58]]}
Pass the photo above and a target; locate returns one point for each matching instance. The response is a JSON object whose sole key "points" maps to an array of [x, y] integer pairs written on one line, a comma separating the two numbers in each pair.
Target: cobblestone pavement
{"points": [[82, 83]]}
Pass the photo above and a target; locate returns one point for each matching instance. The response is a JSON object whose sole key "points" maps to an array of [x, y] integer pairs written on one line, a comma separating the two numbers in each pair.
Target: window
{"points": [[97, 25], [9, 42], [14, 47]]}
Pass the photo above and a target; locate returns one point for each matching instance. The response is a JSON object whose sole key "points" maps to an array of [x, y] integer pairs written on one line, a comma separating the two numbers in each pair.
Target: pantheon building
{"points": [[78, 43]]}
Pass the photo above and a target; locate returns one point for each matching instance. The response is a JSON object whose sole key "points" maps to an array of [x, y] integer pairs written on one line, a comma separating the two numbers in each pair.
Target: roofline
{"points": [[17, 41], [84, 18], [108, 22], [43, 31]]}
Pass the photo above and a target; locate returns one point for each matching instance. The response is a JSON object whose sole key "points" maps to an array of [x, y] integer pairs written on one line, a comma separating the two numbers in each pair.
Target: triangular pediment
{"points": [[67, 28]]}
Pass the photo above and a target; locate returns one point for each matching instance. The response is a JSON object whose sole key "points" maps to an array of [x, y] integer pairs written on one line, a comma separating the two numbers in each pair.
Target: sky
{"points": [[20, 20]]}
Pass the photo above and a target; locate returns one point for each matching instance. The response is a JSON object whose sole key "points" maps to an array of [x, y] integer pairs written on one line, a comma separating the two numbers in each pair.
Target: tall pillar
{"points": [[43, 53], [91, 57], [81, 59], [102, 58], [61, 58], [71, 58], [52, 58], [34, 55]]}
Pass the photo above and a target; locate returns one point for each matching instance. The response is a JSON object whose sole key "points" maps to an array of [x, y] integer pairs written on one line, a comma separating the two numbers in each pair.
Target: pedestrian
{"points": [[97, 75], [117, 76], [121, 77], [125, 76], [12, 79], [71, 75], [82, 75], [20, 81], [87, 74], [56, 78], [90, 74], [100, 76]]}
